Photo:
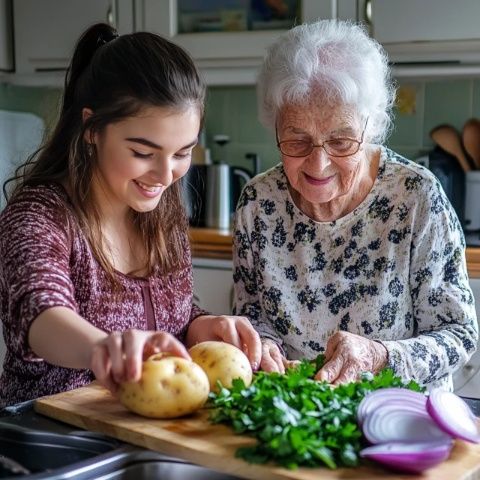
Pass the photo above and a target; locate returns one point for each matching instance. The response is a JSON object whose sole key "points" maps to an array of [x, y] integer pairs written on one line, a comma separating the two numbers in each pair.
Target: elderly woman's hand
{"points": [[230, 329], [348, 355]]}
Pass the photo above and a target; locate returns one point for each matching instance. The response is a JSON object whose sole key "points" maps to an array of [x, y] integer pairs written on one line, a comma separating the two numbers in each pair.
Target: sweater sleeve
{"points": [[246, 294], [443, 305], [34, 263]]}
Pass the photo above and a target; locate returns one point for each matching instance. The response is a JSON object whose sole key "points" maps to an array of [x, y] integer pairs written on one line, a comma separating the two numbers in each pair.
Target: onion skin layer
{"points": [[412, 458], [453, 415]]}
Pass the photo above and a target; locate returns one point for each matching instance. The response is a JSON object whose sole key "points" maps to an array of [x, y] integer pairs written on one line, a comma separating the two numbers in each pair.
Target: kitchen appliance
{"points": [[211, 192], [451, 176], [218, 203], [472, 199], [195, 438]]}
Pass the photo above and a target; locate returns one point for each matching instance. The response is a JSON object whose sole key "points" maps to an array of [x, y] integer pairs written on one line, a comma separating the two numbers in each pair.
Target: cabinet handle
{"points": [[367, 13], [110, 17]]}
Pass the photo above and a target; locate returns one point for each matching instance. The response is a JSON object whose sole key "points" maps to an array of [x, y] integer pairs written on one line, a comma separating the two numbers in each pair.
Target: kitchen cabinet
{"points": [[6, 36], [439, 34], [425, 21], [213, 284], [228, 58], [46, 32]]}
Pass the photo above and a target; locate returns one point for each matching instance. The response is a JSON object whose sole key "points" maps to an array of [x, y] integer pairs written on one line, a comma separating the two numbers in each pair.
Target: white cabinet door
{"points": [[213, 285], [467, 380], [46, 31], [442, 33], [6, 38], [426, 20]]}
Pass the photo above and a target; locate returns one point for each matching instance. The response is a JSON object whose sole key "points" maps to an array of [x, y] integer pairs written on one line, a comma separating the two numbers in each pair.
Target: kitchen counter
{"points": [[211, 243], [48, 449]]}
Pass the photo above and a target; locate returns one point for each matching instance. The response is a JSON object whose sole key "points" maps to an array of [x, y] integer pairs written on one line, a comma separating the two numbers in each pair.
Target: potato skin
{"points": [[222, 361], [170, 387]]}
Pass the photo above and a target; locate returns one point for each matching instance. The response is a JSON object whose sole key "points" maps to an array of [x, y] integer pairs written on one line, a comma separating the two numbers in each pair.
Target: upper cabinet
{"points": [[228, 38], [438, 34], [6, 36], [46, 30]]}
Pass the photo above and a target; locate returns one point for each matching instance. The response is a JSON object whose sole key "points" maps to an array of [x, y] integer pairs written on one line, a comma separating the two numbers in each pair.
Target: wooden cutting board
{"points": [[194, 439]]}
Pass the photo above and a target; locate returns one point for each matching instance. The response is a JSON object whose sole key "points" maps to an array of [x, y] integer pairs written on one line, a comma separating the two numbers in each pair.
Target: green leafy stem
{"points": [[296, 419]]}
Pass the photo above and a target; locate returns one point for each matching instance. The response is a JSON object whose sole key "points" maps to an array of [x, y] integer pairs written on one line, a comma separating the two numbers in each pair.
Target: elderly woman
{"points": [[346, 248]]}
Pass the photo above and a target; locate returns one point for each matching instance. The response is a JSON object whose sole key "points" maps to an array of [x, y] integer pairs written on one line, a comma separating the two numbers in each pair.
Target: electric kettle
{"points": [[211, 192]]}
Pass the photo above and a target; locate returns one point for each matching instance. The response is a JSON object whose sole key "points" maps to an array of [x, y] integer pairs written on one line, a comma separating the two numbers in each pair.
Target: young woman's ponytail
{"points": [[88, 44]]}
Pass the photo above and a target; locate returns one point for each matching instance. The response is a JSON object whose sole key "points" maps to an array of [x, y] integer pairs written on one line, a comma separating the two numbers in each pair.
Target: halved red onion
{"points": [[393, 422], [376, 398], [409, 457], [453, 415]]}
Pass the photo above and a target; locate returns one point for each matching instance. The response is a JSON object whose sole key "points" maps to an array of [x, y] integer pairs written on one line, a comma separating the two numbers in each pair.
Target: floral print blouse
{"points": [[392, 270]]}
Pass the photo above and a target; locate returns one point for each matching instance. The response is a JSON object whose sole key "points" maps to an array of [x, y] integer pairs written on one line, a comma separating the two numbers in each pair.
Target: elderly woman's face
{"points": [[319, 177]]}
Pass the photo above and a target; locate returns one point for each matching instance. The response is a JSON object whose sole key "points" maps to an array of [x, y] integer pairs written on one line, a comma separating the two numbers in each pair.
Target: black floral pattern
{"points": [[391, 270]]}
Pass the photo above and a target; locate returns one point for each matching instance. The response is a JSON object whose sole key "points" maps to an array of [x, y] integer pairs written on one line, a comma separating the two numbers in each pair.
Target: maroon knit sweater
{"points": [[46, 261]]}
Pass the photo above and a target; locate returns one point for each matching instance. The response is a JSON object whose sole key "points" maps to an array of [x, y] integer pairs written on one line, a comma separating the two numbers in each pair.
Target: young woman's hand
{"points": [[348, 355], [272, 358], [230, 329], [118, 357]]}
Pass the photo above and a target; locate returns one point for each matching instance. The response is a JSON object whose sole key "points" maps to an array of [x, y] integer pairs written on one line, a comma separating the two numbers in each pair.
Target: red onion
{"points": [[413, 432], [395, 422], [453, 415], [409, 457], [398, 395]]}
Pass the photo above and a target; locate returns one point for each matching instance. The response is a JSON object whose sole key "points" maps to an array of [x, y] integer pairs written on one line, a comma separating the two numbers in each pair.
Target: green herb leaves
{"points": [[297, 420]]}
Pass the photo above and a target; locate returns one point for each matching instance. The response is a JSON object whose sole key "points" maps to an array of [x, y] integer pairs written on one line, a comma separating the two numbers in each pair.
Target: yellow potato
{"points": [[222, 361], [170, 387]]}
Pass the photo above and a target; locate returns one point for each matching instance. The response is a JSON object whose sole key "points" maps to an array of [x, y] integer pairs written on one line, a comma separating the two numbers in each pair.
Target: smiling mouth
{"points": [[149, 188], [318, 181]]}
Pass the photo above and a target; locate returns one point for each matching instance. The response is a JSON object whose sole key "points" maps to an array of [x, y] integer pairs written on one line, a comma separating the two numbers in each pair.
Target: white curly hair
{"points": [[336, 60]]}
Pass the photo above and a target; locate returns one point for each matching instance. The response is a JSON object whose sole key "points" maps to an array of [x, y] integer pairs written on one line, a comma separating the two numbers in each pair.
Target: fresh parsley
{"points": [[296, 419]]}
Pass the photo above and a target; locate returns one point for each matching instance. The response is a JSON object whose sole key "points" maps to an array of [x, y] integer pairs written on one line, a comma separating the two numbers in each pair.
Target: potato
{"points": [[170, 387], [222, 361]]}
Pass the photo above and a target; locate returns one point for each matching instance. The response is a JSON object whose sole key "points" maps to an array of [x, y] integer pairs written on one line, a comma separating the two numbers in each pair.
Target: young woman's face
{"points": [[139, 157]]}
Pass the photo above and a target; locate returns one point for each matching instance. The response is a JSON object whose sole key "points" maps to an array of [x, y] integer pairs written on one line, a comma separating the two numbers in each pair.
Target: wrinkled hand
{"points": [[118, 357], [348, 355], [272, 358], [230, 329]]}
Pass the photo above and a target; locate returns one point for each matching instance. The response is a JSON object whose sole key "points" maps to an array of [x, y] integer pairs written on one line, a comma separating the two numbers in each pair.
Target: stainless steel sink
{"points": [[163, 470], [38, 451]]}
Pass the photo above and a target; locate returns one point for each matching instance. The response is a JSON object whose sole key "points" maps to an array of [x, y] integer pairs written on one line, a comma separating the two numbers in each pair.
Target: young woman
{"points": [[95, 266]]}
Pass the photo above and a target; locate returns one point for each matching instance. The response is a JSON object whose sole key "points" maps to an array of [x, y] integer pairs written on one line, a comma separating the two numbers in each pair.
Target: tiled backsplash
{"points": [[232, 111]]}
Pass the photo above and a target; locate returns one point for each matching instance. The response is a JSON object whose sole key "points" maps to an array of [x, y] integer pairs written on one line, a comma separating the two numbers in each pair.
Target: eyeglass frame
{"points": [[322, 145]]}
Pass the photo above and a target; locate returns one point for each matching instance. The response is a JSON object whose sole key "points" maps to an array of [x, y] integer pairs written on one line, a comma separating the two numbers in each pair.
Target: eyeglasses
{"points": [[336, 147]]}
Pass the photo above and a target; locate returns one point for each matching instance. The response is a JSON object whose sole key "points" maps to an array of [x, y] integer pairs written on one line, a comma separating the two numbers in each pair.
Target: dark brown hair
{"points": [[116, 77]]}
